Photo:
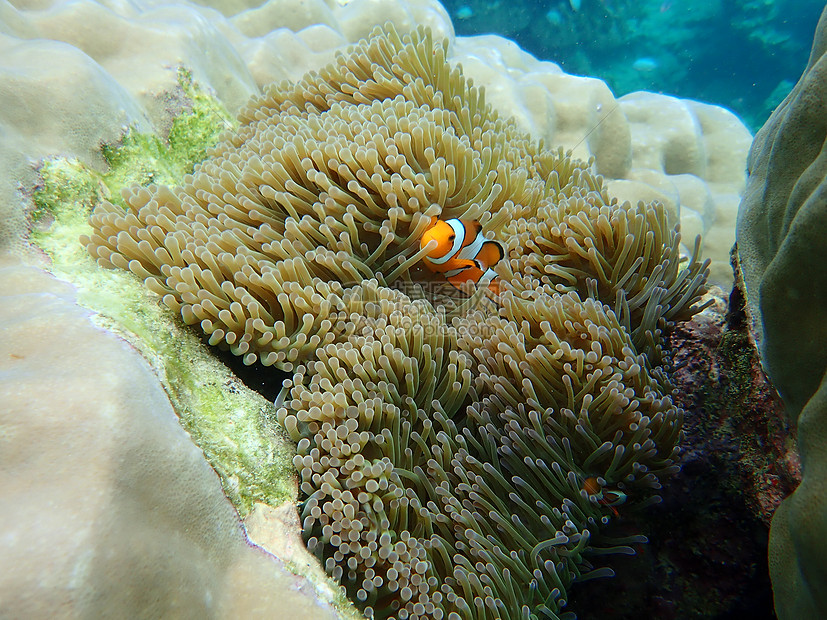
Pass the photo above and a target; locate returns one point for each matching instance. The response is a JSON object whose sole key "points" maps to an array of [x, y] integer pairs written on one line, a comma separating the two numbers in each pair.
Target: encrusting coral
{"points": [[458, 458]]}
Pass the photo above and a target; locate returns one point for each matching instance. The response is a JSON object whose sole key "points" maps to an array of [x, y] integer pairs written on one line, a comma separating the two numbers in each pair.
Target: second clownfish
{"points": [[462, 253], [604, 496]]}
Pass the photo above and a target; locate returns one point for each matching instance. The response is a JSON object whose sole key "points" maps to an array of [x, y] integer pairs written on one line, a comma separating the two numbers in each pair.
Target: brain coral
{"points": [[459, 456]]}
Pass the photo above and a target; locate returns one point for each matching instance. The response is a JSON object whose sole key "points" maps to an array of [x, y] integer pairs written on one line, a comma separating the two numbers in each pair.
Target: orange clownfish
{"points": [[604, 496], [462, 253]]}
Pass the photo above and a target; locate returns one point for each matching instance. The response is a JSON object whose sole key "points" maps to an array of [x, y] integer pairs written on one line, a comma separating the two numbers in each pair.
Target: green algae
{"points": [[230, 423], [142, 159], [65, 180]]}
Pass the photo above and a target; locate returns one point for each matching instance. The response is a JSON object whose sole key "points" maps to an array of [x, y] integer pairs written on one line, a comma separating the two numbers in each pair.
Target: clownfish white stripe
{"points": [[455, 272], [487, 277], [470, 251]]}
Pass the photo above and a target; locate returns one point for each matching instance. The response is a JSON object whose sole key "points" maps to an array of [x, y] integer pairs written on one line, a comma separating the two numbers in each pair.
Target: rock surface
{"points": [[707, 550]]}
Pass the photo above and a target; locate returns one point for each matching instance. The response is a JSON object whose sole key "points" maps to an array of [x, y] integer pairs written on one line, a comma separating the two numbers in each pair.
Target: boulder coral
{"points": [[783, 264], [108, 506], [458, 457]]}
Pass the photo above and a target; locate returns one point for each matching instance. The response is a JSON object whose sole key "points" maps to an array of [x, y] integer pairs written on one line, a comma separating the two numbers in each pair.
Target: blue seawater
{"points": [[742, 54]]}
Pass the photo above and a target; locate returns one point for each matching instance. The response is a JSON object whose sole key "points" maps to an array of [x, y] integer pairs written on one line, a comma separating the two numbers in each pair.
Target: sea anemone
{"points": [[458, 457]]}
